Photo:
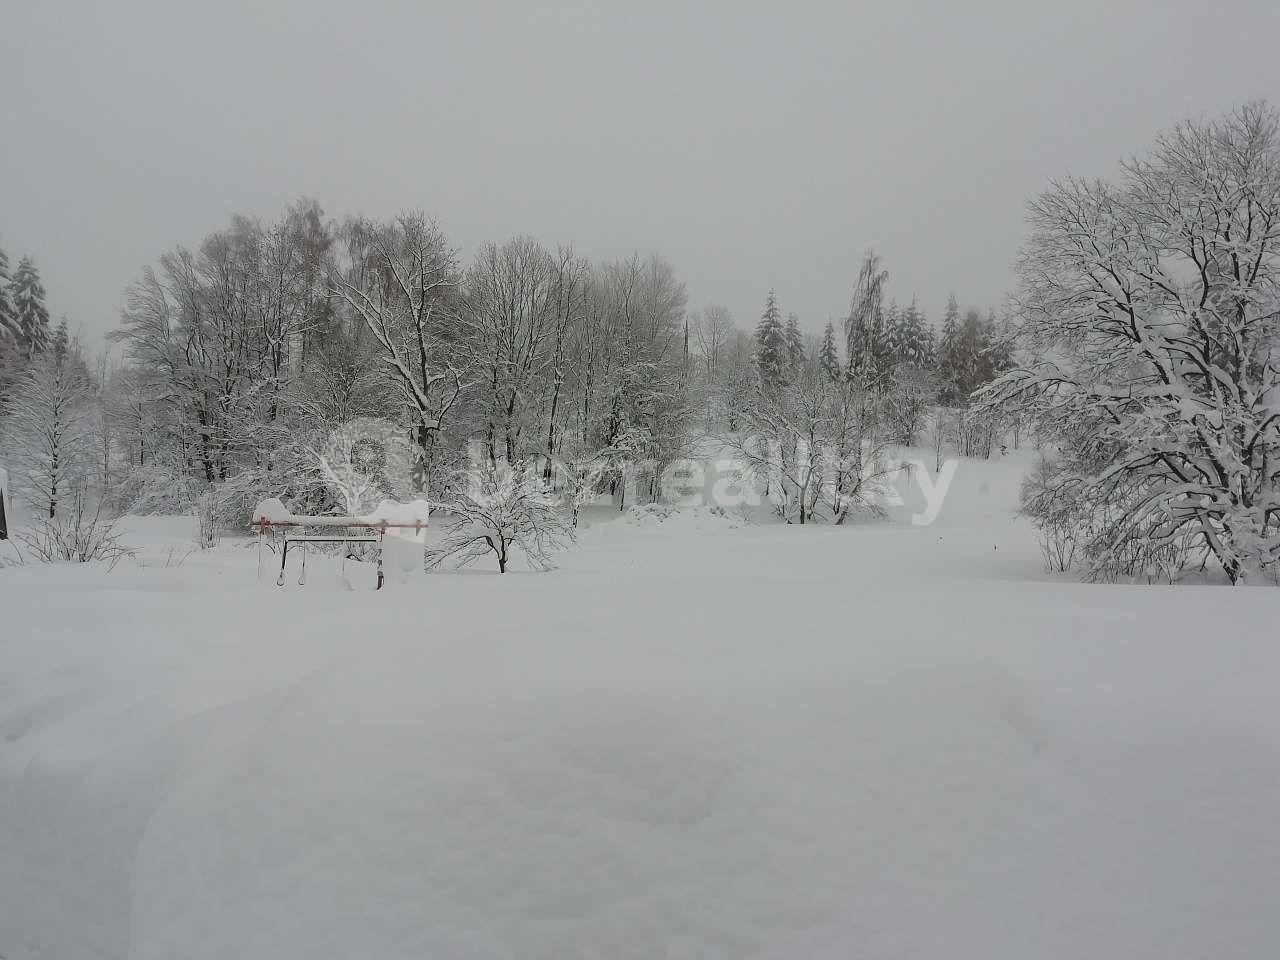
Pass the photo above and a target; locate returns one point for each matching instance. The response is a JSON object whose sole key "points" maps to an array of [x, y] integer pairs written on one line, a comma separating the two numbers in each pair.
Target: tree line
{"points": [[277, 358], [244, 357], [812, 419]]}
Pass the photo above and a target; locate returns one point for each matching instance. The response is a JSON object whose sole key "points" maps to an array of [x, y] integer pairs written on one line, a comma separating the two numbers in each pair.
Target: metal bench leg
{"points": [[379, 549], [302, 577], [284, 557]]}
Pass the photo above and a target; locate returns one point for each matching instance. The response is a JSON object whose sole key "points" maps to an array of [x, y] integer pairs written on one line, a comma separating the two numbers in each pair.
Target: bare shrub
{"points": [[498, 506], [79, 534]]}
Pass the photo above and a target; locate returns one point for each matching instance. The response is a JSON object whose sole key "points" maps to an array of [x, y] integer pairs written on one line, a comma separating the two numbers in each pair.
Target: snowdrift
{"points": [[692, 740]]}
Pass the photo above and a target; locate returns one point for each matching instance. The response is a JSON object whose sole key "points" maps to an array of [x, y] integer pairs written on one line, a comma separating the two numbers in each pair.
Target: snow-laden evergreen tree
{"points": [[795, 341], [27, 294], [60, 340], [970, 351], [10, 339], [10, 329], [1149, 328], [928, 345], [983, 355], [913, 345], [949, 352], [771, 343], [878, 359], [829, 354], [894, 333], [970, 354], [910, 385]]}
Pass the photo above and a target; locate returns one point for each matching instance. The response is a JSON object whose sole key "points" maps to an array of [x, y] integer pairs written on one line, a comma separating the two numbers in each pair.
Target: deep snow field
{"points": [[696, 739]]}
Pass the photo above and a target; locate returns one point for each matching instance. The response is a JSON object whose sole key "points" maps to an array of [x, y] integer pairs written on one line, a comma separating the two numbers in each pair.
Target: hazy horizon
{"points": [[753, 147]]}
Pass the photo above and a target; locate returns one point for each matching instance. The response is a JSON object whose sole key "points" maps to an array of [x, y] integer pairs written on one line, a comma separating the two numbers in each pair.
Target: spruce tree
{"points": [[829, 355], [914, 347], [29, 307], [970, 355], [795, 341], [949, 349], [771, 343], [894, 333], [60, 341], [9, 328], [928, 345], [877, 350]]}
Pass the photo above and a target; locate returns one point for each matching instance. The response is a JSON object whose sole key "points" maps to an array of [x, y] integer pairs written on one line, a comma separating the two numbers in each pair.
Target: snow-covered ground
{"points": [[698, 738]]}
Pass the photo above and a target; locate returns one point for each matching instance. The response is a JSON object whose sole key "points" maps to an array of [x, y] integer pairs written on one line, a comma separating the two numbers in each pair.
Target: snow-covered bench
{"points": [[398, 532]]}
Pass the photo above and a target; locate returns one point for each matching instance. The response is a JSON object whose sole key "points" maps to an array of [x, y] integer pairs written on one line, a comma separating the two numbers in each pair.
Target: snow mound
{"points": [[403, 547], [271, 510]]}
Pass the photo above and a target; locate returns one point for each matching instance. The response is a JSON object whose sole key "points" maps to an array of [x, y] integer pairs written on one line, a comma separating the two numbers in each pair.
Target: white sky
{"points": [[754, 145]]}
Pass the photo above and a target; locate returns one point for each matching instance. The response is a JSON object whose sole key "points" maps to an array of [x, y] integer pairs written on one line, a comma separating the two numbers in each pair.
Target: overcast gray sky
{"points": [[754, 145]]}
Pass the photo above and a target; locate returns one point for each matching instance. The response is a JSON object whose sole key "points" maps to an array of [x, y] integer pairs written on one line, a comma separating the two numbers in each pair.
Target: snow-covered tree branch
{"points": [[1148, 328]]}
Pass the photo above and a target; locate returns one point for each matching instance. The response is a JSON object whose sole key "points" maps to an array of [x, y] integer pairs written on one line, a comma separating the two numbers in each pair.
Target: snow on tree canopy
{"points": [[1150, 333]]}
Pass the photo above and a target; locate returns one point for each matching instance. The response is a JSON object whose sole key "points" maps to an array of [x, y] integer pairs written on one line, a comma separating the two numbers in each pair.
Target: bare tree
{"points": [[907, 396], [212, 334], [939, 433], [47, 430], [812, 444], [866, 314], [713, 332], [512, 323], [570, 283], [497, 506], [80, 534], [782, 448], [402, 285], [856, 461], [358, 463]]}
